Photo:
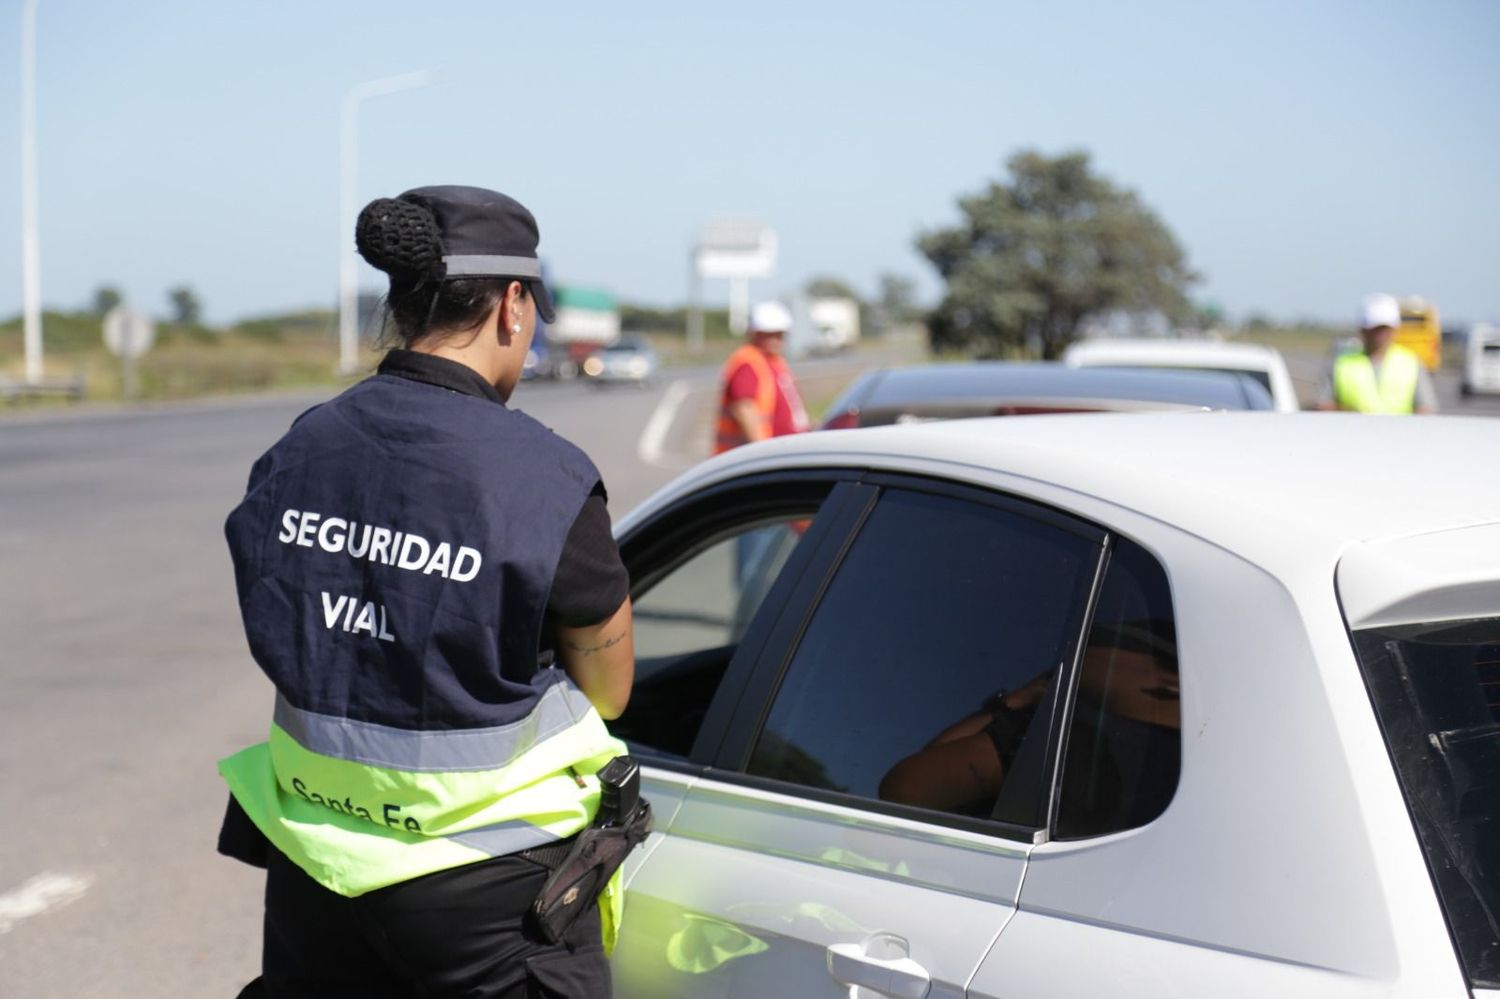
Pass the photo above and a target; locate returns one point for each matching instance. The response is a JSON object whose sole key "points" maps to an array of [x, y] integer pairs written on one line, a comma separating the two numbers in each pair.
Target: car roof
{"points": [[1121, 350], [1036, 382], [1268, 486]]}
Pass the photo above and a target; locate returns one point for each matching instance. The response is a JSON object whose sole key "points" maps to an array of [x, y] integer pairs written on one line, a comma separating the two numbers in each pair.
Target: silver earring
{"points": [[516, 329]]}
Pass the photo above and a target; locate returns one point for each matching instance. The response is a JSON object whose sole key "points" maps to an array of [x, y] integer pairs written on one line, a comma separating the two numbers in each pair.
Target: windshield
{"points": [[1436, 689]]}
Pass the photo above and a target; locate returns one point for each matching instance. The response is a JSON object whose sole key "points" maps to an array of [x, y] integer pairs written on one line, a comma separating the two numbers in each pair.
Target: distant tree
{"points": [[186, 309], [898, 299], [1046, 250], [830, 287], [106, 297], [650, 319]]}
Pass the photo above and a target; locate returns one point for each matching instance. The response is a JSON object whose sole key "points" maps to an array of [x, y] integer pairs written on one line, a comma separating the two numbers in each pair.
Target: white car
{"points": [[1482, 360], [1265, 364], [629, 360], [1128, 705]]}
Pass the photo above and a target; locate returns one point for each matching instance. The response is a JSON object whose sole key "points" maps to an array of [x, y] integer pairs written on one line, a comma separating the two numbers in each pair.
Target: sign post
{"points": [[735, 249], [128, 334]]}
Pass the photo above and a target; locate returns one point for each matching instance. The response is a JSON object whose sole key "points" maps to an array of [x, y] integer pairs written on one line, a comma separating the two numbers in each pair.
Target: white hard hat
{"points": [[1379, 310], [769, 317]]}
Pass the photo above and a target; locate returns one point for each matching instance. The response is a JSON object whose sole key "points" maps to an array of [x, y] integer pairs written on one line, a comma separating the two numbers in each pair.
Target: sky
{"points": [[1305, 153]]}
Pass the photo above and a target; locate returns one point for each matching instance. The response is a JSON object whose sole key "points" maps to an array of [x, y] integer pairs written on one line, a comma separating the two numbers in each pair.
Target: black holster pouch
{"points": [[622, 824]]}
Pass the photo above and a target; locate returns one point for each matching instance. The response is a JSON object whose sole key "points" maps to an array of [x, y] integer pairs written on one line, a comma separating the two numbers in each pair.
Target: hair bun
{"points": [[398, 237]]}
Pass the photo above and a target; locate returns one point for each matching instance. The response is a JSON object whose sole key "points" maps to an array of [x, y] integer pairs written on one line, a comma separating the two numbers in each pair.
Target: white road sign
{"points": [[128, 333], [735, 249]]}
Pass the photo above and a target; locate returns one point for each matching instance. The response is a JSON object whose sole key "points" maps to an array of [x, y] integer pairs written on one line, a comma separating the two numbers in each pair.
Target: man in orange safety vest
{"points": [[759, 399]]}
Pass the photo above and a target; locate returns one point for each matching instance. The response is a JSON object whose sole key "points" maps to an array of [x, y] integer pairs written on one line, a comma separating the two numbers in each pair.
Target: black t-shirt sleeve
{"points": [[591, 582]]}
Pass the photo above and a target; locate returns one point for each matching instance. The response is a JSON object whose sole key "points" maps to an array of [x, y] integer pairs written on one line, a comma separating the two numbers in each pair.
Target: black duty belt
{"points": [[583, 865]]}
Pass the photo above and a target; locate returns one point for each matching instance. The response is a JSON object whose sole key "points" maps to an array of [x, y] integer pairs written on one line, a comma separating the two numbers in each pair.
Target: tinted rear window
{"points": [[1436, 689]]}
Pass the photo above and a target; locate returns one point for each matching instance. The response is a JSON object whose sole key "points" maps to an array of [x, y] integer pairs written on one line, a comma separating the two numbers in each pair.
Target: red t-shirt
{"points": [[789, 417]]}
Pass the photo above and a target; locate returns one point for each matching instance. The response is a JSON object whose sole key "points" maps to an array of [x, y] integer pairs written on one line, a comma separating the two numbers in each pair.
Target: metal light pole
{"points": [[348, 161], [31, 268]]}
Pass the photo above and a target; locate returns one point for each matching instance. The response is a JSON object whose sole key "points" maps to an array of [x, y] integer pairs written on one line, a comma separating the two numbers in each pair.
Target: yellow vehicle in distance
{"points": [[1420, 332]]}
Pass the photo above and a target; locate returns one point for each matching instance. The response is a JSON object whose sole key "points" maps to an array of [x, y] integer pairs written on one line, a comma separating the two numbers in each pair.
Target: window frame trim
{"points": [[1062, 722]]}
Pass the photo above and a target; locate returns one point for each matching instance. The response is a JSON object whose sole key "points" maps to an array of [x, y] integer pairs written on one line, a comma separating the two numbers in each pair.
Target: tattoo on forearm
{"points": [[589, 650]]}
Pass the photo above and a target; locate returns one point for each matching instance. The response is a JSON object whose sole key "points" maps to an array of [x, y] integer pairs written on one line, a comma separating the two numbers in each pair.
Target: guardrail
{"points": [[15, 392]]}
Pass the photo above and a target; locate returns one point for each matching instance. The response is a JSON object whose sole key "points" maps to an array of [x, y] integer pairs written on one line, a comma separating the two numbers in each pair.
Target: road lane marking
{"points": [[653, 441], [45, 891]]}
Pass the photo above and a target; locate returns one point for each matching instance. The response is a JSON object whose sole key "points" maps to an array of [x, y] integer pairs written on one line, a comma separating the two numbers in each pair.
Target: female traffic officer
{"points": [[407, 557]]}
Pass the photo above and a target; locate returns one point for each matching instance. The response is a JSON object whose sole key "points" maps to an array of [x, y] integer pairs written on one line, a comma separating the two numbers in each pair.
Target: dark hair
{"points": [[402, 239]]}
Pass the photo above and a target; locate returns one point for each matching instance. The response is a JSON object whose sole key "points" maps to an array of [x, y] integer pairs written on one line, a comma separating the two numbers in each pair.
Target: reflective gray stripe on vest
{"points": [[483, 265], [452, 750], [505, 837]]}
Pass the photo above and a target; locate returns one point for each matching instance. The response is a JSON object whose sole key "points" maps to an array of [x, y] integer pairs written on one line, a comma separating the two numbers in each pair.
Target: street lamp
{"points": [[31, 268], [348, 154]]}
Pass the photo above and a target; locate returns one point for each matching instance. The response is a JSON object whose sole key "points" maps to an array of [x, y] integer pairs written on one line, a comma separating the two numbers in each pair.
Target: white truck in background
{"points": [[588, 319], [588, 316], [835, 323]]}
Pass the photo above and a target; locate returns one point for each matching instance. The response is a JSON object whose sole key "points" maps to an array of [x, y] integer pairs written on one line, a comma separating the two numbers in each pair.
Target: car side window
{"points": [[1124, 746], [689, 620], [919, 677]]}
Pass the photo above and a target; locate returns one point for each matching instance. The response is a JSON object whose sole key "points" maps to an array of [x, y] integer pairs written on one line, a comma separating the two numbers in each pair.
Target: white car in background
{"points": [[1128, 705], [630, 360], [1263, 363], [1482, 360]]}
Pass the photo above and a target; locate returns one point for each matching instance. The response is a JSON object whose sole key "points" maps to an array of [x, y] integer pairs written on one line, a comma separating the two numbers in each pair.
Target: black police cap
{"points": [[486, 234]]}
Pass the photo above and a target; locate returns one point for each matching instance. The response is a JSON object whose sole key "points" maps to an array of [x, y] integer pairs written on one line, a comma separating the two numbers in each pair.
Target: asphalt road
{"points": [[125, 672]]}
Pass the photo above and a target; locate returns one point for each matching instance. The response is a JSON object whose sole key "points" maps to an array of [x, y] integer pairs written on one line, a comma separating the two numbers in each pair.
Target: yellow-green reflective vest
{"points": [[1355, 386], [354, 827]]}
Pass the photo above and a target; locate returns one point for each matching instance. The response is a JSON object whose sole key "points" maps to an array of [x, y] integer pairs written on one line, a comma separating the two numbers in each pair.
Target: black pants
{"points": [[462, 932]]}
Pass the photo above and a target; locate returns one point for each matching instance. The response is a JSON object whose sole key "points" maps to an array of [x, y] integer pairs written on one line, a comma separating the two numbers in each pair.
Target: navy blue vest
{"points": [[394, 553]]}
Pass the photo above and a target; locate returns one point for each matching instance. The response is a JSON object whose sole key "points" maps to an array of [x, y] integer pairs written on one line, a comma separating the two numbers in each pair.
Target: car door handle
{"points": [[899, 977]]}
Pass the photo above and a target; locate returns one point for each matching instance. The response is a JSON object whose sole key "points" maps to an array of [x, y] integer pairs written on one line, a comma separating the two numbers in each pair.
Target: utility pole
{"points": [[31, 267]]}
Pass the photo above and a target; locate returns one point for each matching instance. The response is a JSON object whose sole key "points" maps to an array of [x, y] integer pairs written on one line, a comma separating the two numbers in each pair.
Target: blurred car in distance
{"points": [[1482, 360], [1057, 707], [542, 358], [1264, 364], [1002, 388], [546, 358], [629, 360]]}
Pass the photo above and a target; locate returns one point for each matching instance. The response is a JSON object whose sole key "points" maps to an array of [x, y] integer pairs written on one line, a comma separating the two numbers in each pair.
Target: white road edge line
{"points": [[45, 891], [654, 438]]}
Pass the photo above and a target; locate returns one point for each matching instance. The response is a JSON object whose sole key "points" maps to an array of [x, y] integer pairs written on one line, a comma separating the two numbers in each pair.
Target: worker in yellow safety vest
{"points": [[759, 399], [1383, 377]]}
